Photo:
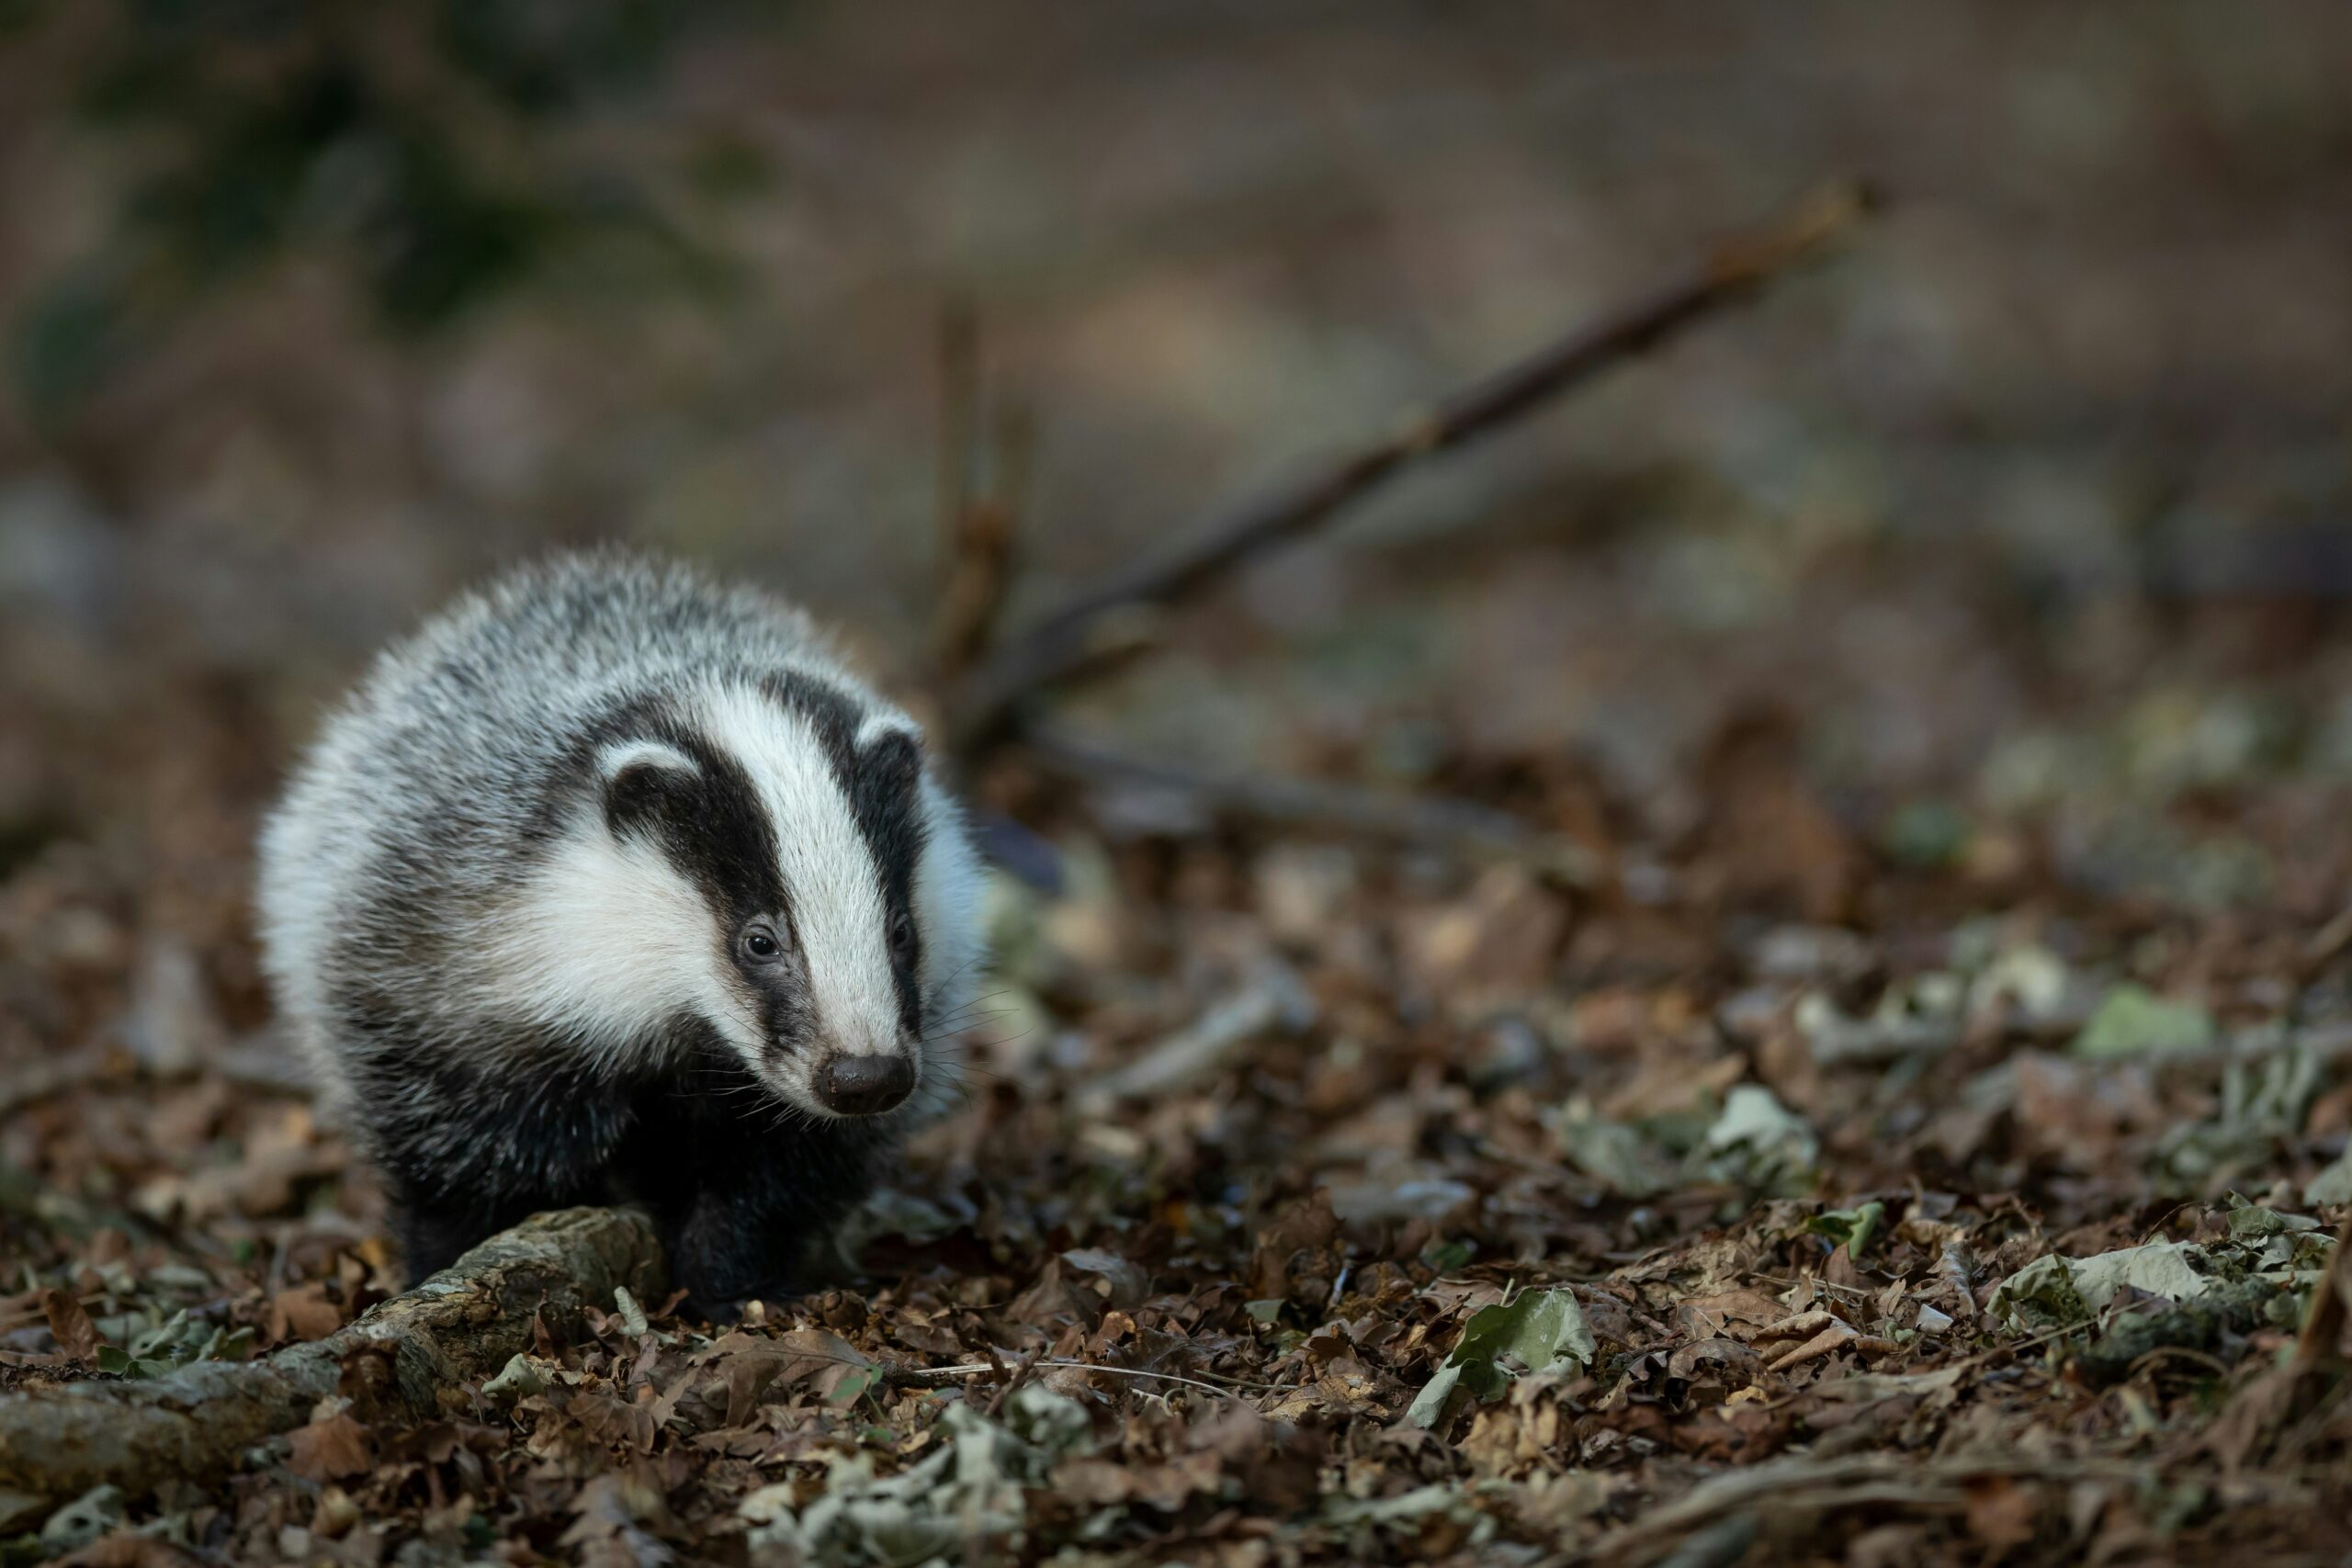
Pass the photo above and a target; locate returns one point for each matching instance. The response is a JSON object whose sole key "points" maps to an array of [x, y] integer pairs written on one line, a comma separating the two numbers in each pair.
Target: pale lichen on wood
{"points": [[427, 1346]]}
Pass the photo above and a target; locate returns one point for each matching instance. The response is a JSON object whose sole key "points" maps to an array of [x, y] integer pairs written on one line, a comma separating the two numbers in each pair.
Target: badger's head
{"points": [[771, 861]]}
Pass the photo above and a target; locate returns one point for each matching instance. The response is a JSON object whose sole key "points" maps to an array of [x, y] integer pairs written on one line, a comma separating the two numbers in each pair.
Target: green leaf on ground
{"points": [[2332, 1185], [2060, 1292], [1760, 1143], [1538, 1330], [2132, 1020], [1850, 1228], [1614, 1153]]}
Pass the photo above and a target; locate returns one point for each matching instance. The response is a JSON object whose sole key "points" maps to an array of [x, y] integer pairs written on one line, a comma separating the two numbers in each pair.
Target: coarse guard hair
{"points": [[610, 882]]}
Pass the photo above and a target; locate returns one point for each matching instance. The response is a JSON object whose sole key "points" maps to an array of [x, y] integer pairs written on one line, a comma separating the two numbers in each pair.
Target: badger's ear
{"points": [[643, 781]]}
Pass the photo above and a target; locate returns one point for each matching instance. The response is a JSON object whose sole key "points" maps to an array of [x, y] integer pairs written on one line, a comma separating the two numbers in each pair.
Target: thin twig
{"points": [[55, 1075], [1062, 643], [1804, 1484], [938, 1377], [959, 402], [1272, 1000], [1454, 827], [977, 522], [257, 1061], [1020, 1375]]}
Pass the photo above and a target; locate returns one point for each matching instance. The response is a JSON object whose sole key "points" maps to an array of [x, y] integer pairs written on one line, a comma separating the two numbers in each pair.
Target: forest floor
{"points": [[1777, 1171]]}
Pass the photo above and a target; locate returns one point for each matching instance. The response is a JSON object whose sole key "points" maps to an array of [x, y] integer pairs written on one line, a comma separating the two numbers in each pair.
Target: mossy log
{"points": [[397, 1362]]}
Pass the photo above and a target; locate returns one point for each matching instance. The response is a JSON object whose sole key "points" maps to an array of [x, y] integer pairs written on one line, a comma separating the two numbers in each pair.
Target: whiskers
{"points": [[953, 1067]]}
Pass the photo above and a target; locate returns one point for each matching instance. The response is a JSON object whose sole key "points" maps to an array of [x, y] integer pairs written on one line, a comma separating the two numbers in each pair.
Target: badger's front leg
{"points": [[467, 1154], [745, 1191]]}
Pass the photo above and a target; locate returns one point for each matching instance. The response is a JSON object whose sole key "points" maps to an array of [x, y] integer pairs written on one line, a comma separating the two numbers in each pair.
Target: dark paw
{"points": [[431, 1242], [719, 1295], [708, 1309], [721, 1274]]}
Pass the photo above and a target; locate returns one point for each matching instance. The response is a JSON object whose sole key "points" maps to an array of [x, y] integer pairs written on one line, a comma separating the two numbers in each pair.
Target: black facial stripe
{"points": [[709, 824], [882, 785]]}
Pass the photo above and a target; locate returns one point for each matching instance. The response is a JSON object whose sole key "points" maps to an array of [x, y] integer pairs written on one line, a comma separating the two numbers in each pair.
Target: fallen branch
{"points": [[52, 1076], [1809, 1488], [1062, 643], [256, 1061], [1272, 999], [1455, 827], [401, 1361]]}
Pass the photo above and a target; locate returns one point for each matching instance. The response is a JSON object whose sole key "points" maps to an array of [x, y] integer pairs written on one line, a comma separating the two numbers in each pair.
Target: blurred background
{"points": [[315, 313], [2018, 533]]}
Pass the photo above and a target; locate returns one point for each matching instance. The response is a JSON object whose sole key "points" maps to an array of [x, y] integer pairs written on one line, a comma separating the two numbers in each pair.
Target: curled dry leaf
{"points": [[1820, 1345], [77, 1337], [1713, 1355], [330, 1447], [303, 1313]]}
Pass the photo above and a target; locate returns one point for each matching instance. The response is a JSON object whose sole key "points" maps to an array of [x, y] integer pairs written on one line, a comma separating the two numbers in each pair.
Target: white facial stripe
{"points": [[829, 873], [622, 754], [609, 942]]}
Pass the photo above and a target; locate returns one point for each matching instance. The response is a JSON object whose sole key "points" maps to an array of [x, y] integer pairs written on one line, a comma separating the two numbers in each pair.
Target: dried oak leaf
{"points": [[1049, 1302], [2001, 1514], [1309, 1226], [77, 1337], [752, 1365], [615, 1422], [1726, 1359], [1116, 1280], [1769, 836], [1168, 1487], [328, 1449], [1739, 1313], [1089, 1483], [303, 1313]]}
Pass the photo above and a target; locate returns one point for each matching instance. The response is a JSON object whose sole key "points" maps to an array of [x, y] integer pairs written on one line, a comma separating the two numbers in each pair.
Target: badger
{"points": [[611, 883]]}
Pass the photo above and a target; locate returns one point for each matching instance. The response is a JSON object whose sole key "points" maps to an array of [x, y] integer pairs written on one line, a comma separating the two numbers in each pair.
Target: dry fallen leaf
{"points": [[2001, 1514], [328, 1449], [77, 1337], [303, 1313]]}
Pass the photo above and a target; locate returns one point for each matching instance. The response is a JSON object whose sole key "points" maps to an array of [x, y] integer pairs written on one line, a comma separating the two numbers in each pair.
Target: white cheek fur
{"points": [[608, 940]]}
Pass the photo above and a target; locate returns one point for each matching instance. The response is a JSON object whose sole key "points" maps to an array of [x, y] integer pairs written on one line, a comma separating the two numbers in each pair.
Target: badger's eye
{"points": [[760, 946], [903, 933]]}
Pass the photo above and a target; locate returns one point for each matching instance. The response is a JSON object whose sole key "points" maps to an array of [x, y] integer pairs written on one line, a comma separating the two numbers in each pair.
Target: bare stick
{"points": [[976, 526], [1060, 644], [959, 403], [979, 566], [1455, 827], [398, 1360], [1272, 1000], [1809, 1488], [257, 1061]]}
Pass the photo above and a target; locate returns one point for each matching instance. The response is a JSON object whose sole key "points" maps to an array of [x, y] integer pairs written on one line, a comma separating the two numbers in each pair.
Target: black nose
{"points": [[865, 1086]]}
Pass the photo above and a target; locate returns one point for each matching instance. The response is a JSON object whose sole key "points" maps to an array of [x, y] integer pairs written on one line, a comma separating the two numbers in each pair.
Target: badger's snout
{"points": [[864, 1084]]}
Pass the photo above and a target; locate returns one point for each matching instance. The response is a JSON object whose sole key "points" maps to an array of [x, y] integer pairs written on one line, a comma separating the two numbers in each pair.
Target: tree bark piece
{"points": [[396, 1363]]}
